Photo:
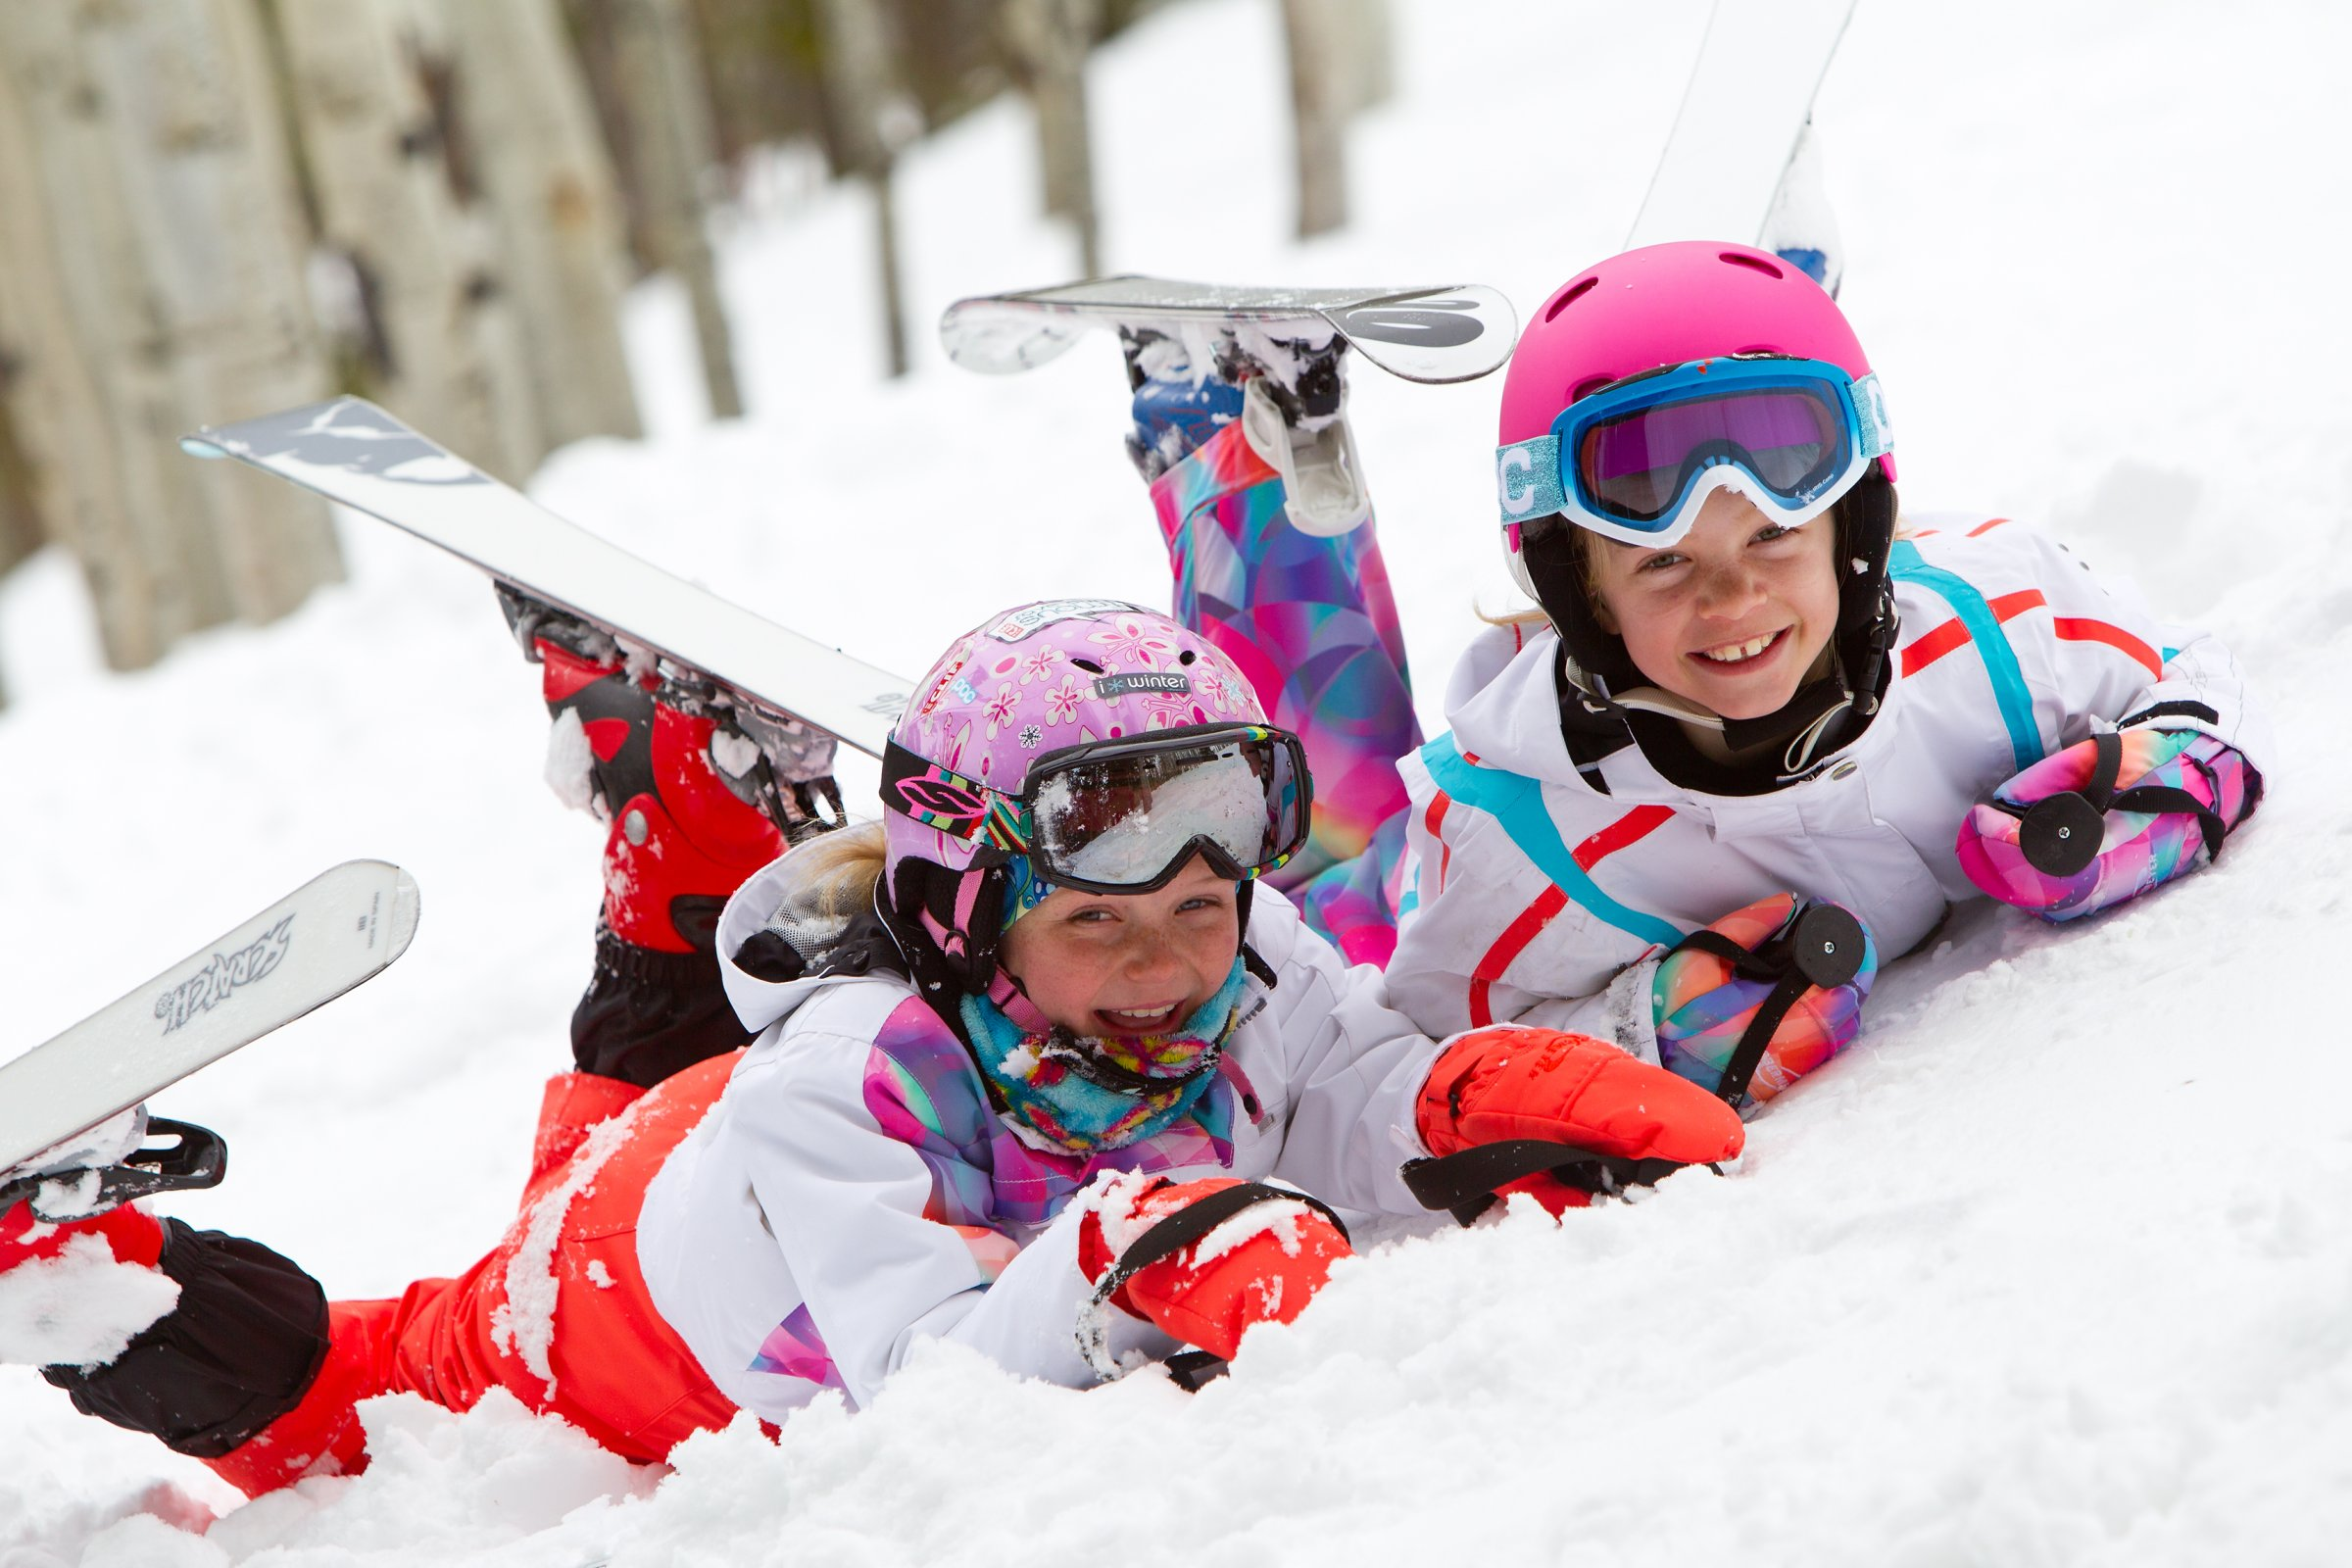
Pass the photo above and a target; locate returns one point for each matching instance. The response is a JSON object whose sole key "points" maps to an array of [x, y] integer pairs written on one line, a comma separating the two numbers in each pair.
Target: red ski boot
{"points": [[694, 806]]}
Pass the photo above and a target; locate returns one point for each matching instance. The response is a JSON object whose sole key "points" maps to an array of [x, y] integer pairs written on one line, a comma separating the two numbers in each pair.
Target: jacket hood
{"points": [[774, 916]]}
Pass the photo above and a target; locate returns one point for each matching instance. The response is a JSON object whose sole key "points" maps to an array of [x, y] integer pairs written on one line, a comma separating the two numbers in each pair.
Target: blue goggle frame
{"points": [[1538, 477]]}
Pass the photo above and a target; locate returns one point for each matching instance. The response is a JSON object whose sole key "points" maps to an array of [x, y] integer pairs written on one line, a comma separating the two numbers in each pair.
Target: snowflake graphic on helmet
{"points": [[1029, 736]]}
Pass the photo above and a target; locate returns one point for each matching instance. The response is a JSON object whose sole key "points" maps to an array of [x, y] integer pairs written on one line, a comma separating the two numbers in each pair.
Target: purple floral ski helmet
{"points": [[1055, 673], [1021, 686]]}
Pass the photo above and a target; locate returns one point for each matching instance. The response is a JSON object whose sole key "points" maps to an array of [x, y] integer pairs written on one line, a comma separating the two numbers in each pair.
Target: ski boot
{"points": [[698, 795], [1290, 395]]}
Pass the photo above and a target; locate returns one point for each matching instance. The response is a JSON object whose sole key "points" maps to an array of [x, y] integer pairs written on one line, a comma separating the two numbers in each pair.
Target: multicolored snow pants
{"points": [[1313, 623]]}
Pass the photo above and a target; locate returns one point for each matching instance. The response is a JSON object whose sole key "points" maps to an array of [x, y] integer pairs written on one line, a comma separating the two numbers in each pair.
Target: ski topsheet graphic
{"points": [[1439, 333], [1741, 118], [355, 453], [305, 950]]}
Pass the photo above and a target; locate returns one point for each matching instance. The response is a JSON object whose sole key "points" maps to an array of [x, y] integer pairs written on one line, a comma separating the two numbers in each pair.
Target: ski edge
{"points": [[223, 441], [1004, 335]]}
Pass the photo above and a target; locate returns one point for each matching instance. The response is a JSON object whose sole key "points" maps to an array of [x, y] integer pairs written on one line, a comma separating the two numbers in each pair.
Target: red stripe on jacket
{"points": [[2082, 629], [1929, 646], [1633, 825]]}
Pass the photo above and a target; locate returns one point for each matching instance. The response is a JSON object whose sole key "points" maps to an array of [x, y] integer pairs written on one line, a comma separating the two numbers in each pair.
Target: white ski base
{"points": [[1746, 104], [327, 936], [352, 452], [1433, 333]]}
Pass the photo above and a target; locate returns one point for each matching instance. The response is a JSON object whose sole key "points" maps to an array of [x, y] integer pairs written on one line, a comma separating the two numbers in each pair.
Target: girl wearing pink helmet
{"points": [[1020, 1047], [1759, 734]]}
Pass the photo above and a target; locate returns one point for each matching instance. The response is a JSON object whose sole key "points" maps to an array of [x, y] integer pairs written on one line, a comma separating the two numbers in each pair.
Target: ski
{"points": [[335, 931], [1434, 334], [1739, 136], [352, 452]]}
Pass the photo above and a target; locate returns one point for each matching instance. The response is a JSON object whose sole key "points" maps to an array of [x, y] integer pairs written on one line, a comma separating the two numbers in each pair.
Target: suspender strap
{"points": [[1517, 804], [2062, 834], [1168, 1238], [1464, 1181], [1821, 945], [1904, 565]]}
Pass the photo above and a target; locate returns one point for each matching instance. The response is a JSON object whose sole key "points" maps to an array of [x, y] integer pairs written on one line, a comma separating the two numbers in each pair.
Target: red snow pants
{"points": [[557, 1314]]}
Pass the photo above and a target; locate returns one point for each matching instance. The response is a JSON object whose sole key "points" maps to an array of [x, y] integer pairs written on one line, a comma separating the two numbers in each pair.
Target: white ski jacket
{"points": [[1533, 896], [853, 1192]]}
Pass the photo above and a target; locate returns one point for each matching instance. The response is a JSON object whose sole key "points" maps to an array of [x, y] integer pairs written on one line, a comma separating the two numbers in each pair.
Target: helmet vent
{"points": [[1754, 264], [1570, 296], [1090, 666], [1187, 657]]}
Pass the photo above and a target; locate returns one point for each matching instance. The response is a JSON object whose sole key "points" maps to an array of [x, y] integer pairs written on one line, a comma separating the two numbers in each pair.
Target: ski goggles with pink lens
{"points": [[1635, 459], [1124, 815]]}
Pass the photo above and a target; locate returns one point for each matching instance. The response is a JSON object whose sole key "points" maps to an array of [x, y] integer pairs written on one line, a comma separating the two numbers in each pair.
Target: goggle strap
{"points": [[1876, 438], [942, 799], [1527, 479]]}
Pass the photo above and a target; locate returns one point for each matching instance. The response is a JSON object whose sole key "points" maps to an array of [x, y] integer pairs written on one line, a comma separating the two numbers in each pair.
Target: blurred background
{"points": [[215, 208]]}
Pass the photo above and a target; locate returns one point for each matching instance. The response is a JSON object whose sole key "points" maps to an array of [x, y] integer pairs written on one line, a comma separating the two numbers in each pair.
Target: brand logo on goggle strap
{"points": [[1021, 622], [937, 797], [1110, 686], [1526, 479]]}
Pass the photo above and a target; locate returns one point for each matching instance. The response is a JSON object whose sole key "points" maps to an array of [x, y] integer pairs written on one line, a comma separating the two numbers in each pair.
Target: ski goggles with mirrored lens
{"points": [[1635, 459], [1125, 815]]}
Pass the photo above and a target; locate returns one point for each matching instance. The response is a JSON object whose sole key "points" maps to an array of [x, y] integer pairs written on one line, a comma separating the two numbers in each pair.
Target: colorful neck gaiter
{"points": [[1080, 1094]]}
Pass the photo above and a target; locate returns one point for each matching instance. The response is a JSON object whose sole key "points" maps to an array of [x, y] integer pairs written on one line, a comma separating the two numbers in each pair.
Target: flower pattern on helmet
{"points": [[1002, 709], [1053, 675], [1132, 641], [1061, 703]]}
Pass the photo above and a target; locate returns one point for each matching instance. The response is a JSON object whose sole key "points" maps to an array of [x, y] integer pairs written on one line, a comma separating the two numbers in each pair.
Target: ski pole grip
{"points": [[1463, 1182]]}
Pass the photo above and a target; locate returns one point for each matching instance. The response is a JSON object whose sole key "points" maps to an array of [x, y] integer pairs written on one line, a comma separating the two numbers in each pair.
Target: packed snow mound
{"points": [[2050, 1268]]}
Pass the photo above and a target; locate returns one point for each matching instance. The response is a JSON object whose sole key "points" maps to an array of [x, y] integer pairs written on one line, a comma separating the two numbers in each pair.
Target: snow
{"points": [[2051, 1268], [78, 1309]]}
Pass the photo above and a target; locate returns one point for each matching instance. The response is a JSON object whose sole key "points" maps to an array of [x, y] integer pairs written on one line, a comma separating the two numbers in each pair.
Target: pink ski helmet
{"points": [[1669, 305], [1654, 309], [1023, 684]]}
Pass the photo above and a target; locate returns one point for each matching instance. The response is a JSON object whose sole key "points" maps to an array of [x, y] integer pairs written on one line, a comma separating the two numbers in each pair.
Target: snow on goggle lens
{"points": [[1638, 465], [1130, 819]]}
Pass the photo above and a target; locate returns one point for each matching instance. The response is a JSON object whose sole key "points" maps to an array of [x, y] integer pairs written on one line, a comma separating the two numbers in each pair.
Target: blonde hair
{"points": [[835, 872]]}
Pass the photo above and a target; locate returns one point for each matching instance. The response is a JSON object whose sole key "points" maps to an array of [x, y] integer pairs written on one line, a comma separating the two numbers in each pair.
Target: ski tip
{"points": [[200, 445], [393, 903], [400, 925], [1433, 336]]}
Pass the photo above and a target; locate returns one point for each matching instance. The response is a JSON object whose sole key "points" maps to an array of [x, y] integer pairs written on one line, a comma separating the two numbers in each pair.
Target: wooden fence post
{"points": [[388, 203], [215, 218], [532, 139], [91, 395], [1319, 61], [671, 137], [1049, 40], [873, 119]]}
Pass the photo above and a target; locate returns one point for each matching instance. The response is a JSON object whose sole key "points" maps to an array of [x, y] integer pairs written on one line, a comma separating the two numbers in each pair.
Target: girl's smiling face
{"points": [[1128, 963], [1734, 616]]}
